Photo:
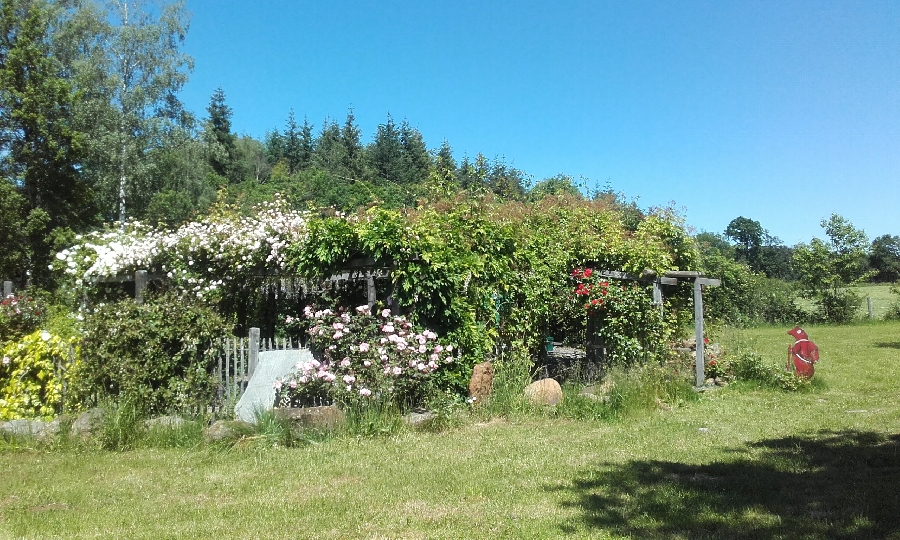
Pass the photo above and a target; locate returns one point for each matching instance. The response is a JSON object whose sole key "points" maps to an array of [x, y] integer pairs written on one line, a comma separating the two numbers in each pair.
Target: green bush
{"points": [[750, 366], [32, 375], [158, 356]]}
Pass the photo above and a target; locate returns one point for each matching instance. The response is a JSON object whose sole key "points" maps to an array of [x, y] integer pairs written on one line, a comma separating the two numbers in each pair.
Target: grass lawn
{"points": [[739, 463]]}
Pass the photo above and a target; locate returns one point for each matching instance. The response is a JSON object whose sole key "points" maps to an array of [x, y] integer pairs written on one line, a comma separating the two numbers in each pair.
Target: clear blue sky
{"points": [[780, 111]]}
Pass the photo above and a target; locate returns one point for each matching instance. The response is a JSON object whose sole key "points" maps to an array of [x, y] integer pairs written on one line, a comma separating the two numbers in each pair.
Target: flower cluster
{"points": [[594, 293], [198, 256], [361, 355]]}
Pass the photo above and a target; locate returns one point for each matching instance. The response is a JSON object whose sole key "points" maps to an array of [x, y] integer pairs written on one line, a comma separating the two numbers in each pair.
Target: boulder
{"points": [[481, 382], [38, 429], [544, 392], [88, 422], [227, 430], [325, 417], [419, 419]]}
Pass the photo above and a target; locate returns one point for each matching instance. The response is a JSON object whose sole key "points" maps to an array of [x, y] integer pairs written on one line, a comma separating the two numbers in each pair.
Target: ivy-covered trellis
{"points": [[445, 265]]}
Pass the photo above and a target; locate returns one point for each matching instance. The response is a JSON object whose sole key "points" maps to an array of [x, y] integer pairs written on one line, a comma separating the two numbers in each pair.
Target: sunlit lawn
{"points": [[740, 463]]}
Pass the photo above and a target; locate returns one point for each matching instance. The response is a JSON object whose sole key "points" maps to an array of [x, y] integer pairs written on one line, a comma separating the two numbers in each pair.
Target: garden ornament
{"points": [[803, 355]]}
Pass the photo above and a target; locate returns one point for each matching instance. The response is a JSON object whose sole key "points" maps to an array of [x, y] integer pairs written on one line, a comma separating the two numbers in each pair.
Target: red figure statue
{"points": [[803, 355]]}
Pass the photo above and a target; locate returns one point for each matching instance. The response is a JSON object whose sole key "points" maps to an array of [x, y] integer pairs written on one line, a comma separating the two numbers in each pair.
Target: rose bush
{"points": [[362, 357]]}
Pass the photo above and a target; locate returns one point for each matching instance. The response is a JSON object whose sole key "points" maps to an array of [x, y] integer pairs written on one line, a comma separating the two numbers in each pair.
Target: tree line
{"points": [[92, 131]]}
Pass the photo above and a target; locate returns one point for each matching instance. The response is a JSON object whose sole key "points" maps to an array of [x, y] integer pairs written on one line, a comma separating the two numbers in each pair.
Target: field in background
{"points": [[741, 462], [881, 296]]}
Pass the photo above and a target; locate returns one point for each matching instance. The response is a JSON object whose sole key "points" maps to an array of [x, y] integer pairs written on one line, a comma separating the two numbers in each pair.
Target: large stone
{"points": [[227, 430], [260, 393], [88, 422], [38, 429], [419, 419], [481, 382], [325, 417], [544, 392]]}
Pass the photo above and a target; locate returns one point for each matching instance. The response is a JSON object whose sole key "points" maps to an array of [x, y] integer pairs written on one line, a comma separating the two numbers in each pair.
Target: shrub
{"points": [[750, 366], [362, 358], [20, 315], [31, 383], [158, 356]]}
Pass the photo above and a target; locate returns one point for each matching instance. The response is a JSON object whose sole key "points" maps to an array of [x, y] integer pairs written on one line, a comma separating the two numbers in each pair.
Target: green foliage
{"points": [[746, 297], [158, 356], [749, 366], [626, 319], [829, 270], [33, 372], [884, 258], [20, 315]]}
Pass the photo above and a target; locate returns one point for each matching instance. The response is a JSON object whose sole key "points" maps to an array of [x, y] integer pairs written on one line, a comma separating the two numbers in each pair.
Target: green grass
{"points": [[738, 462]]}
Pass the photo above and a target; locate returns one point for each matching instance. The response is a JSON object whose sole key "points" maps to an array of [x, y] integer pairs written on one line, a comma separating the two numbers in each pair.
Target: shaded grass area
{"points": [[827, 485], [737, 462]]}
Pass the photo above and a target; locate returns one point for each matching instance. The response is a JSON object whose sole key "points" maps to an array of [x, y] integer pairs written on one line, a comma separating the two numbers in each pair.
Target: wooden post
{"points": [[370, 285], [871, 309], [253, 355], [140, 283], [699, 360], [7, 288]]}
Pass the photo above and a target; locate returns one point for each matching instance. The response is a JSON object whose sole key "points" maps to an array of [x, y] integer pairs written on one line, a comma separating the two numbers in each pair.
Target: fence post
{"points": [[871, 309], [699, 360], [7, 288], [254, 351], [140, 283]]}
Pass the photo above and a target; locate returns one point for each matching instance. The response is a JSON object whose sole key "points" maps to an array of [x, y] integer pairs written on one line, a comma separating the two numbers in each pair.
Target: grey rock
{"points": [[418, 419], [38, 429], [88, 422], [325, 417], [227, 430]]}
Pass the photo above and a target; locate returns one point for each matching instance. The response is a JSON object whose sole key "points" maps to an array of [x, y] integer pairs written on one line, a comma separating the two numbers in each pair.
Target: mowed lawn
{"points": [[739, 463]]}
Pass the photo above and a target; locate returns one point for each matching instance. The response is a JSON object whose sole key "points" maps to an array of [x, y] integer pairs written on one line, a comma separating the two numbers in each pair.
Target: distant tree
{"points": [[297, 144], [556, 185], [129, 70], [250, 160], [385, 153], [505, 180], [218, 131], [829, 271], [747, 235], [41, 150], [328, 153], [443, 158], [708, 242], [353, 159], [414, 158], [884, 258]]}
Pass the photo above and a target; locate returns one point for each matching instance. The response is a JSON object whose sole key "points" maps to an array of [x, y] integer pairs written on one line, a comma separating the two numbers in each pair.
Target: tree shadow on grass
{"points": [[830, 485], [888, 344]]}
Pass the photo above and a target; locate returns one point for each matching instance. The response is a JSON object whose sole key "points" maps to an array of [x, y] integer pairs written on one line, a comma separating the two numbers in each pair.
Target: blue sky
{"points": [[781, 111]]}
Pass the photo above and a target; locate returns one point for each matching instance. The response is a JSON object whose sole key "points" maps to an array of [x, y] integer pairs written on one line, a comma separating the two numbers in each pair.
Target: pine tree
{"points": [[218, 127], [415, 160]]}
